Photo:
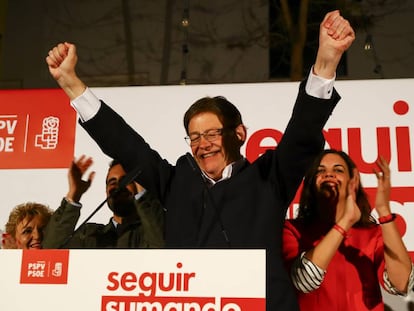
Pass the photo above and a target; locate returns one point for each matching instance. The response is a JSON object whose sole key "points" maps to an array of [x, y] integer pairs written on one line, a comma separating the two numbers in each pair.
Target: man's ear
{"points": [[241, 132]]}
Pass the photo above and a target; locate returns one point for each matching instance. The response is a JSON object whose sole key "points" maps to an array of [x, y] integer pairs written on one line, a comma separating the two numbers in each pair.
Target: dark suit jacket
{"points": [[147, 231], [250, 206]]}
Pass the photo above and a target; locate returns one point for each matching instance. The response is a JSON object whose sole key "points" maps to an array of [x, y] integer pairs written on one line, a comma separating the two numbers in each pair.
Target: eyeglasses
{"points": [[209, 135]]}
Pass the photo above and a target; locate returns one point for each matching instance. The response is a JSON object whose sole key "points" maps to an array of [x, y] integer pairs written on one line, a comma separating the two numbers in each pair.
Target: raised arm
{"points": [[398, 264], [335, 37], [303, 138], [63, 221], [77, 185], [62, 60]]}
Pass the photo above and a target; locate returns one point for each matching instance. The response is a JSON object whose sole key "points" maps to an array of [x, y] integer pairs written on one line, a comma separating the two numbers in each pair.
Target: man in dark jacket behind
{"points": [[137, 221]]}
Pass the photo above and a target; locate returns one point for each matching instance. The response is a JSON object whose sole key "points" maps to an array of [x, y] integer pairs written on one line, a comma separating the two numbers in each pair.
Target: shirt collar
{"points": [[228, 171]]}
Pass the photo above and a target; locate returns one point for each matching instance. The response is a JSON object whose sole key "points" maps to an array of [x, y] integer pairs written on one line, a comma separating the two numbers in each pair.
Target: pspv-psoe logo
{"points": [[37, 129], [44, 267]]}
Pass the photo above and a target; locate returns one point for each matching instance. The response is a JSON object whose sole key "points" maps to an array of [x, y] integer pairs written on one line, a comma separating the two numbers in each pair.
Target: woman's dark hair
{"points": [[228, 115], [308, 204]]}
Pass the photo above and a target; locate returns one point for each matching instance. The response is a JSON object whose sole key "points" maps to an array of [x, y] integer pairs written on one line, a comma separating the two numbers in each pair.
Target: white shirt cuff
{"points": [[87, 105], [319, 87]]}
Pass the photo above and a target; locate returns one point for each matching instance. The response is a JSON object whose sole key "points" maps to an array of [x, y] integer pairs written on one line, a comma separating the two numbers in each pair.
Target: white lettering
{"points": [[170, 306], [36, 265], [111, 306], [231, 307], [9, 125], [36, 273], [6, 144]]}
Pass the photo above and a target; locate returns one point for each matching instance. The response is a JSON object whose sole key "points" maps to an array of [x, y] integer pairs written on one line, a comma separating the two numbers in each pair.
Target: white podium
{"points": [[133, 280]]}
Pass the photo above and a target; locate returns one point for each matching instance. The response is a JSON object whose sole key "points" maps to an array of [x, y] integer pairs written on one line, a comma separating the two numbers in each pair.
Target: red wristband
{"points": [[341, 230], [386, 219]]}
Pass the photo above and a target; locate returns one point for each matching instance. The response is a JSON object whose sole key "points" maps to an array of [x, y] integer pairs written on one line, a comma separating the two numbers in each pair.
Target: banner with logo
{"points": [[37, 129], [132, 280]]}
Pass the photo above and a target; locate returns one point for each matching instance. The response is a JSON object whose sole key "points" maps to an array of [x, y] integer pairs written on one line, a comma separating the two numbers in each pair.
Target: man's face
{"points": [[29, 232], [210, 155], [121, 203]]}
